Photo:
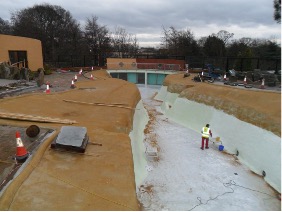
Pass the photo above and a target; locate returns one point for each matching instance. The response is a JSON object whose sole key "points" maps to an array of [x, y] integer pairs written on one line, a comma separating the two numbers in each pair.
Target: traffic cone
{"points": [[262, 84], [21, 154], [72, 84], [92, 68], [224, 77], [245, 80], [91, 77], [80, 72], [75, 78], [47, 88]]}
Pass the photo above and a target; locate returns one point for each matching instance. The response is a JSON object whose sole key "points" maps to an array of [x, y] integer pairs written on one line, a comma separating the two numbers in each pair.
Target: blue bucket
{"points": [[220, 147]]}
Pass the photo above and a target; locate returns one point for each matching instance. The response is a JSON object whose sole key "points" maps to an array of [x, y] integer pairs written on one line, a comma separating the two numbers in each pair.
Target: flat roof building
{"points": [[15, 49]]}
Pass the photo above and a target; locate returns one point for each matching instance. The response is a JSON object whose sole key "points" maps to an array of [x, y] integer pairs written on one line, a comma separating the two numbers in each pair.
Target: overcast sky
{"points": [[244, 18]]}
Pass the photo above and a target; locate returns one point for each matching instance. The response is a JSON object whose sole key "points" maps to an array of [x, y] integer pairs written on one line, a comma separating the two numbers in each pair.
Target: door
{"points": [[18, 56]]}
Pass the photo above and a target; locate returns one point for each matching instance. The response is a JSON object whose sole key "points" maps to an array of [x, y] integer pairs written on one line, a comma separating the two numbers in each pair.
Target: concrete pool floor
{"points": [[188, 178]]}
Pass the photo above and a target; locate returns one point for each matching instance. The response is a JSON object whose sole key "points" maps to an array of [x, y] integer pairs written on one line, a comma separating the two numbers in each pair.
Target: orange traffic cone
{"points": [[47, 88], [21, 154], [245, 80], [91, 77], [72, 84], [262, 84], [75, 78], [80, 72]]}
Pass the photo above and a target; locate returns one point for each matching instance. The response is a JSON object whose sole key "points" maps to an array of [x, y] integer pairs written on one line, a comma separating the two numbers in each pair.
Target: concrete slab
{"points": [[12, 87], [72, 138]]}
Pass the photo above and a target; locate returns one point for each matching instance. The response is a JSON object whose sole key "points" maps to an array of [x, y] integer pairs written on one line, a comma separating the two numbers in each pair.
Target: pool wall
{"points": [[258, 148]]}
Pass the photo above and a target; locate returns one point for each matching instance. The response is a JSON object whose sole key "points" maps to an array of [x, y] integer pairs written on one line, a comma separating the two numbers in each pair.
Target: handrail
{"points": [[20, 62], [136, 66]]}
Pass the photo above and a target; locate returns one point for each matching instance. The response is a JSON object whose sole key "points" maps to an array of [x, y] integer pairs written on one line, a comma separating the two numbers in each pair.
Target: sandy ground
{"points": [[103, 179], [100, 179], [184, 177]]}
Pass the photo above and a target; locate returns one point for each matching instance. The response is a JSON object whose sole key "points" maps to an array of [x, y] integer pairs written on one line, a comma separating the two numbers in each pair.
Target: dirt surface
{"points": [[260, 107], [100, 179], [8, 148], [103, 178]]}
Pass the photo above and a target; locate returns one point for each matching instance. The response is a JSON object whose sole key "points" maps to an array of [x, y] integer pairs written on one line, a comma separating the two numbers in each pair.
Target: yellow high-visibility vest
{"points": [[206, 132]]}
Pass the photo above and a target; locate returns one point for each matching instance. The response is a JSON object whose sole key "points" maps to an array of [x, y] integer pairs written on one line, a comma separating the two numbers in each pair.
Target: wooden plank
{"points": [[26, 117], [98, 104]]}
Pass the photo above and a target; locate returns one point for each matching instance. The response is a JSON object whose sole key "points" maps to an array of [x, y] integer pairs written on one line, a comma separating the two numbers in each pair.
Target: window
{"points": [[18, 56]]}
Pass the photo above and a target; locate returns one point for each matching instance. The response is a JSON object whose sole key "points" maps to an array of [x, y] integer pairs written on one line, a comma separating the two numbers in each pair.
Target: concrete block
{"points": [[72, 138]]}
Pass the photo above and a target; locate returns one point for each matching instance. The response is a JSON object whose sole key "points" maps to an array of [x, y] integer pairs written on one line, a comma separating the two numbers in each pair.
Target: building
{"points": [[148, 71], [145, 63], [21, 51]]}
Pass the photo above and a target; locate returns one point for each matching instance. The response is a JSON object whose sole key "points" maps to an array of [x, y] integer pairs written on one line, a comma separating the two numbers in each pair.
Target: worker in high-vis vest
{"points": [[206, 133]]}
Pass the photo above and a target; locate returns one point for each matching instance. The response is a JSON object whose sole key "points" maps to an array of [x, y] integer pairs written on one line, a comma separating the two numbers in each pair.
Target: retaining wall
{"points": [[258, 148], [140, 121]]}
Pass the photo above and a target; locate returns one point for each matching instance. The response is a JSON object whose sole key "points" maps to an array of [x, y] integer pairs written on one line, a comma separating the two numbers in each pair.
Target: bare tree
{"points": [[214, 47], [201, 41], [124, 43], [246, 41], [51, 24], [277, 10], [170, 39], [97, 39], [133, 46], [224, 36], [179, 42], [91, 33], [5, 27]]}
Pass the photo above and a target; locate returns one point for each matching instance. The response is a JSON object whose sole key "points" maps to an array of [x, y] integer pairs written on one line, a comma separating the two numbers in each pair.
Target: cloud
{"points": [[252, 18]]}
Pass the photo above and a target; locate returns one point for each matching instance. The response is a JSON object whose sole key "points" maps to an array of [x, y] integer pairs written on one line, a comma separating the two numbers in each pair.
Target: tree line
{"points": [[221, 44], [62, 35]]}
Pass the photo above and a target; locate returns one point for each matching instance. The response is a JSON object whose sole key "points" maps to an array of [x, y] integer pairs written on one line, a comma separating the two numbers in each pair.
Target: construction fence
{"points": [[222, 63], [237, 63]]}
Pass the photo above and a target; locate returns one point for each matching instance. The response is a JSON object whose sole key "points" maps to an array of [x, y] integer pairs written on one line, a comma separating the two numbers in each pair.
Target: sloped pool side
{"points": [[140, 121], [258, 148]]}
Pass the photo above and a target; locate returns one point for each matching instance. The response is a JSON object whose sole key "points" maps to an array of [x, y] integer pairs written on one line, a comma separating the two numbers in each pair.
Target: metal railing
{"points": [[142, 66], [20, 64]]}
